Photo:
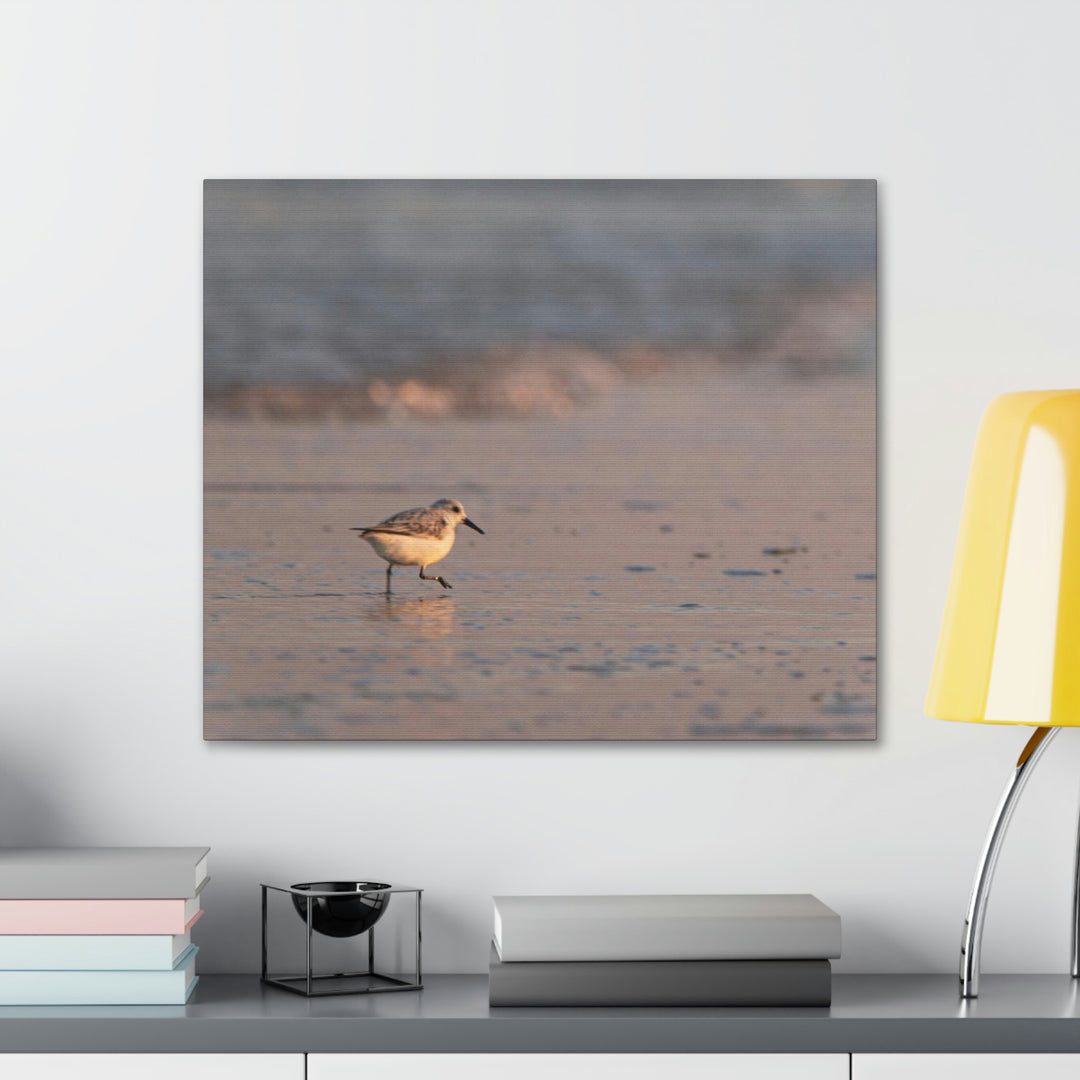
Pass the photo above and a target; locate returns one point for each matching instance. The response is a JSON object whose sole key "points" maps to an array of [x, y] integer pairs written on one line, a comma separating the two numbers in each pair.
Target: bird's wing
{"points": [[421, 521], [379, 529]]}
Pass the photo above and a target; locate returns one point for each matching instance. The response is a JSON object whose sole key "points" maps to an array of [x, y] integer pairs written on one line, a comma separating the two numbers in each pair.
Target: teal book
{"points": [[170, 987], [91, 952]]}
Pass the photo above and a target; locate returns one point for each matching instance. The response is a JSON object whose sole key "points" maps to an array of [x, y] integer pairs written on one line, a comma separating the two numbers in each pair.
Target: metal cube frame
{"points": [[311, 985]]}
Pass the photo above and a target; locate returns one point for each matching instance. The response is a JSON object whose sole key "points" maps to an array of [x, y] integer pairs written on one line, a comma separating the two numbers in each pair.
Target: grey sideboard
{"points": [[870, 1014]]}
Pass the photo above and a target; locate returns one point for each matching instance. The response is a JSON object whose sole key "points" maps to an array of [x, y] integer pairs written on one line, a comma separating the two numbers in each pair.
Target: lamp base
{"points": [[971, 943]]}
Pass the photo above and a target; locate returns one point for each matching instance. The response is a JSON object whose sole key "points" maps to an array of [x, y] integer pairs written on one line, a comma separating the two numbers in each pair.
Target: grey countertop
{"points": [[870, 1014]]}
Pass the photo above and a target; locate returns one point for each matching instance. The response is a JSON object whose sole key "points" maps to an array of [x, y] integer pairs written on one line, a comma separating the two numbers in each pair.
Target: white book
{"points": [[116, 873], [786, 926], [91, 952]]}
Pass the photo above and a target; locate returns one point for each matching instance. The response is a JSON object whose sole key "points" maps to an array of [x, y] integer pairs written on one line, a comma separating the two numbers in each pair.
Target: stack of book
{"points": [[99, 926], [663, 950]]}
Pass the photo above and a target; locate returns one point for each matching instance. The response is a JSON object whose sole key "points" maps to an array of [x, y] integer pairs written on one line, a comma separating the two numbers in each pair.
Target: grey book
{"points": [[105, 873], [787, 926], [799, 983]]}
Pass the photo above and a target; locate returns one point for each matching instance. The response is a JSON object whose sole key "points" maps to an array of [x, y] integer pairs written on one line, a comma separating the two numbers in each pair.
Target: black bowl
{"points": [[342, 916]]}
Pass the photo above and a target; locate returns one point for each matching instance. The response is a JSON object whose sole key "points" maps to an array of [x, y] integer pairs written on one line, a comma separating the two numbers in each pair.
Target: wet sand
{"points": [[674, 562]]}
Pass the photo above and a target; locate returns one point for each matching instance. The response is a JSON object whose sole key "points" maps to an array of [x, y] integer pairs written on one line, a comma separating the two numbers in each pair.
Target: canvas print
{"points": [[559, 459]]}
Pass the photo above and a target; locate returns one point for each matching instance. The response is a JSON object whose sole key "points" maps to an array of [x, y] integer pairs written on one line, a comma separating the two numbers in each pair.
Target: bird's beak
{"points": [[472, 525]]}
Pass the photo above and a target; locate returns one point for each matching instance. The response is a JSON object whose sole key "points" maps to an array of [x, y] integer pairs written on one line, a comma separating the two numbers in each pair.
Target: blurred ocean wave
{"points": [[431, 298]]}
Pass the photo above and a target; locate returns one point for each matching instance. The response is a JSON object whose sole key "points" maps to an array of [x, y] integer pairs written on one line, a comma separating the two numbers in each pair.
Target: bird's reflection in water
{"points": [[427, 618]]}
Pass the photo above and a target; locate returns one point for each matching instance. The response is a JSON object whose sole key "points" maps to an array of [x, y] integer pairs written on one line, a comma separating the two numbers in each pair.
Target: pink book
{"points": [[98, 916]]}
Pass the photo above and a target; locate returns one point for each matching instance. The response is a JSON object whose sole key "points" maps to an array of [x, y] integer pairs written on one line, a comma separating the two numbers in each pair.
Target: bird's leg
{"points": [[389, 568], [442, 581]]}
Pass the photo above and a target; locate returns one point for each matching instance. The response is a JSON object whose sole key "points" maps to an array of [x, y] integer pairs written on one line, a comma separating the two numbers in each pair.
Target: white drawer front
{"points": [[152, 1066], [578, 1066], [965, 1066]]}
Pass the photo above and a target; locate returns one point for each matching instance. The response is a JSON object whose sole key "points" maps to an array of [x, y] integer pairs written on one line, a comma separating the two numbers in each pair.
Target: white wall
{"points": [[110, 116]]}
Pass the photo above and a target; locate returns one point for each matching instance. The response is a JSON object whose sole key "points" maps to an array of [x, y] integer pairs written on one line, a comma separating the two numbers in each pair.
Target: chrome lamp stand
{"points": [[971, 944]]}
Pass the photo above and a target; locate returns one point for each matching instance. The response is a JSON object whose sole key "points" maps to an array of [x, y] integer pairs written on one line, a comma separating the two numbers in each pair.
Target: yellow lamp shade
{"points": [[1009, 650]]}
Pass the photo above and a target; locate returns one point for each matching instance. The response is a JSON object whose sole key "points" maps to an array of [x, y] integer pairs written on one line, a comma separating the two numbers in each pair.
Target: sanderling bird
{"points": [[417, 537]]}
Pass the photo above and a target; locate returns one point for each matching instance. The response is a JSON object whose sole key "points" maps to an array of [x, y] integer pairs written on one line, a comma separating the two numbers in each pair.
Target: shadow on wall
{"points": [[29, 815]]}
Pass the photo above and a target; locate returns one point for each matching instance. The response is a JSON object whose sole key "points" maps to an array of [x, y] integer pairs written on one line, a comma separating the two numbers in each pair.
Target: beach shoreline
{"points": [[677, 560]]}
